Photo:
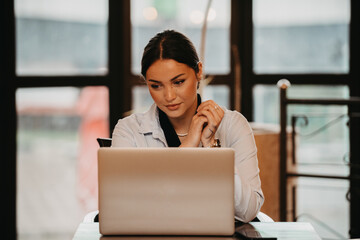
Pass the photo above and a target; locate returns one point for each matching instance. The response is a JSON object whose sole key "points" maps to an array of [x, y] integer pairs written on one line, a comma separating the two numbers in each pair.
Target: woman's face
{"points": [[173, 86]]}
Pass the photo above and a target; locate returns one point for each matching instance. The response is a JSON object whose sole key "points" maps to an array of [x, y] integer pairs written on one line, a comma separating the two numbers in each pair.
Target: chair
{"points": [[104, 142], [262, 217], [91, 217]]}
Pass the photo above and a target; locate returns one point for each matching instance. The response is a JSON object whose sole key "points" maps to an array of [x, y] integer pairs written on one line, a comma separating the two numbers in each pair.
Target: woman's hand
{"points": [[195, 130], [214, 114], [204, 125]]}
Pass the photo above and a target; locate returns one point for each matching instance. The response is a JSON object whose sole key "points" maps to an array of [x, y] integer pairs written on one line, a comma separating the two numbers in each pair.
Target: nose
{"points": [[170, 94]]}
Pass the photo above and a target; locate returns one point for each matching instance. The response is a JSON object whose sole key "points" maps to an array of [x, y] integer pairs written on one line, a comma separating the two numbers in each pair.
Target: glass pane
{"points": [[301, 36], [57, 158], [267, 101], [149, 17], [142, 99], [219, 93], [322, 144], [61, 37], [330, 218], [324, 138]]}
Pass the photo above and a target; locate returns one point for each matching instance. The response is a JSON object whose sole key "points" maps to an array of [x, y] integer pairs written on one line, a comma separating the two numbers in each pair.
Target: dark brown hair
{"points": [[169, 44]]}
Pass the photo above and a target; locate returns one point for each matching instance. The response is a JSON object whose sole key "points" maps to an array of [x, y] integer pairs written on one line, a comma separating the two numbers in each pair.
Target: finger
{"points": [[219, 110], [211, 105], [195, 132], [213, 115], [210, 116], [197, 123], [206, 104]]}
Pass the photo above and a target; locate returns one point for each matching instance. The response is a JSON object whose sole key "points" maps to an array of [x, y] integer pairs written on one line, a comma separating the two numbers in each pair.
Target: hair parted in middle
{"points": [[169, 44]]}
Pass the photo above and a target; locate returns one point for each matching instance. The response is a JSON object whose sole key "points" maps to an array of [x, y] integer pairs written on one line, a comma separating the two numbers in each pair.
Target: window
{"points": [[308, 43], [311, 207], [301, 36], [59, 43], [61, 37], [111, 59], [57, 158], [150, 17]]}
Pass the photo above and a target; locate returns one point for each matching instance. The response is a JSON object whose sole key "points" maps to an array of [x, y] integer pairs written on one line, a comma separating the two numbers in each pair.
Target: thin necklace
{"points": [[182, 134]]}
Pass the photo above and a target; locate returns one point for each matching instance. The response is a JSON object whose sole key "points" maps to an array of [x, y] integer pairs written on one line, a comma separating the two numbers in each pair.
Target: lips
{"points": [[173, 107]]}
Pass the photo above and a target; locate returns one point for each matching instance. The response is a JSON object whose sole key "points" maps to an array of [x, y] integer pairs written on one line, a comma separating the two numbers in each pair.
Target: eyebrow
{"points": [[174, 78]]}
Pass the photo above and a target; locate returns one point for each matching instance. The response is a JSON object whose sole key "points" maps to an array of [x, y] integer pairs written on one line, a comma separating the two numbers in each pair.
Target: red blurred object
{"points": [[93, 107]]}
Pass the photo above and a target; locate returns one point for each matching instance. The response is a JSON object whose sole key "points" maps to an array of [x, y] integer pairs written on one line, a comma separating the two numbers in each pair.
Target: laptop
{"points": [[166, 191]]}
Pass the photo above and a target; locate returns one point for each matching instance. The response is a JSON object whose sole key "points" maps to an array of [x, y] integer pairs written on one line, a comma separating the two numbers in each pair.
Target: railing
{"points": [[285, 174]]}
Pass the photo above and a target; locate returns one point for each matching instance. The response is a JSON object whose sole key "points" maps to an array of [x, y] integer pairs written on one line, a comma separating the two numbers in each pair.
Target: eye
{"points": [[154, 86], [179, 82]]}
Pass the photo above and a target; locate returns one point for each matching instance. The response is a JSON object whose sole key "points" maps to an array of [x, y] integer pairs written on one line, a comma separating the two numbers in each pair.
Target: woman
{"points": [[172, 72]]}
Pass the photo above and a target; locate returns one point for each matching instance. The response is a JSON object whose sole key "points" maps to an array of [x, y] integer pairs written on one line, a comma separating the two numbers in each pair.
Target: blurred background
{"points": [[76, 72]]}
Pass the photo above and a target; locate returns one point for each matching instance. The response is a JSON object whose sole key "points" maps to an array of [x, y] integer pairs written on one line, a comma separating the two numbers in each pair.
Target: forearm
{"points": [[248, 200]]}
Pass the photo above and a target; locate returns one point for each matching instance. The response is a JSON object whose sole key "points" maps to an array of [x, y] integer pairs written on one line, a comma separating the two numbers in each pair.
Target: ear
{"points": [[199, 75]]}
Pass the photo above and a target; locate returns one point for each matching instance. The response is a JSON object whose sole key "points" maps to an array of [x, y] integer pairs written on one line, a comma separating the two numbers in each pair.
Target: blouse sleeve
{"points": [[248, 194]]}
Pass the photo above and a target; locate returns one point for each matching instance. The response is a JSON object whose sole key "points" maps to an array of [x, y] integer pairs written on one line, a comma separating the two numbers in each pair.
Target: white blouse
{"points": [[144, 130]]}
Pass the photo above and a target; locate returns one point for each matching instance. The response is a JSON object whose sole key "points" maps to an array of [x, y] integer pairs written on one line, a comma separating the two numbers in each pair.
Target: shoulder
{"points": [[236, 132], [233, 126], [140, 122], [126, 126], [129, 121], [232, 117]]}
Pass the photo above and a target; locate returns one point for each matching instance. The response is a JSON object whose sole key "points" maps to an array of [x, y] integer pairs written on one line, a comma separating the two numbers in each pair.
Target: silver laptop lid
{"points": [[166, 191]]}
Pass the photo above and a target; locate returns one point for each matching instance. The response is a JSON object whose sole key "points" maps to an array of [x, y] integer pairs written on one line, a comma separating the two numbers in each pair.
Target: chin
{"points": [[173, 114]]}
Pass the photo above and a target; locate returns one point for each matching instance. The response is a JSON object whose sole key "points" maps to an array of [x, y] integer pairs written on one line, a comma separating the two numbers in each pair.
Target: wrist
{"points": [[188, 142], [214, 144]]}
